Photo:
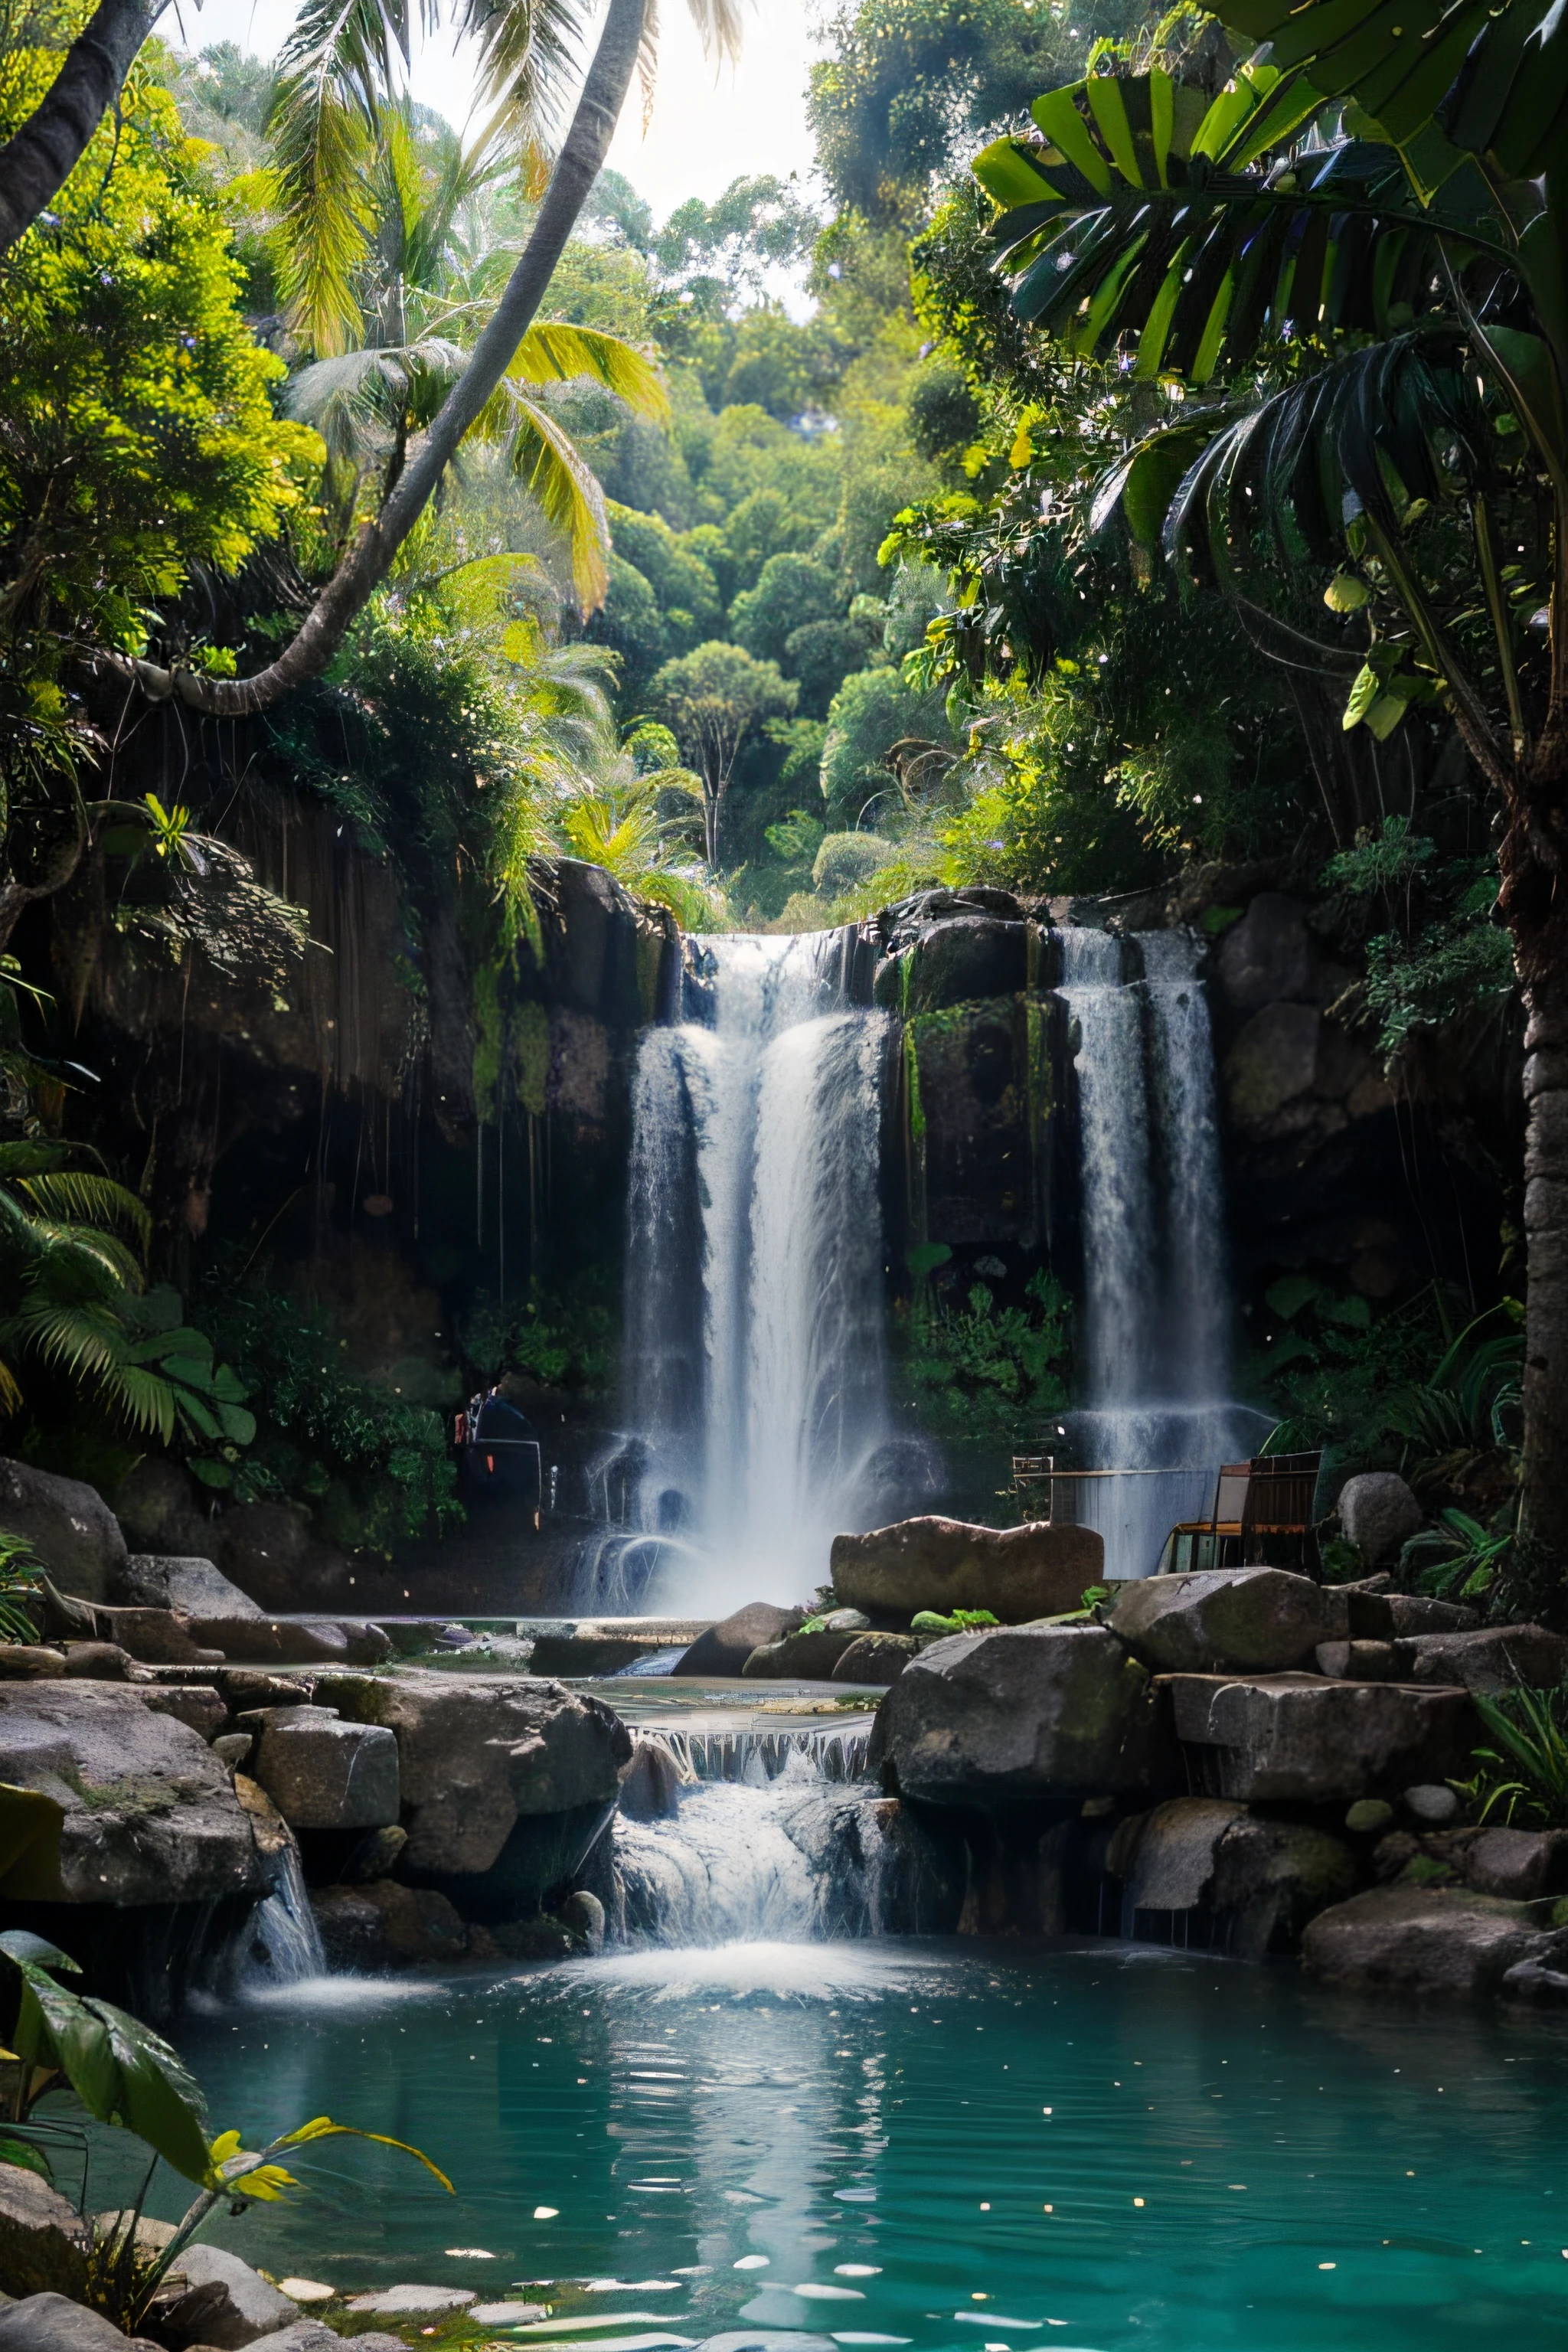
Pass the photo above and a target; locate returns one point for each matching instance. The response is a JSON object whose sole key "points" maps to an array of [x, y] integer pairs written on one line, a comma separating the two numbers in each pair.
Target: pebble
{"points": [[1429, 1801]]}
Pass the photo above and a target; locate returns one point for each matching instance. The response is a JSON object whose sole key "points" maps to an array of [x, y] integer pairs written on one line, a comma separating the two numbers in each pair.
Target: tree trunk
{"points": [[367, 562], [38, 159], [1546, 1251]]}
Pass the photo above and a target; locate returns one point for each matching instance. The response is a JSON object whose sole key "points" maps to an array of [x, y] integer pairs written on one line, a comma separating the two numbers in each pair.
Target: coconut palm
{"points": [[426, 287], [1350, 271], [340, 65]]}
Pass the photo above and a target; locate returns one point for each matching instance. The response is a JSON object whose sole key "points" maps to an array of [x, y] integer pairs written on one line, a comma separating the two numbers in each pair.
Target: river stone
{"points": [[1403, 1616], [505, 1784], [1289, 1738], [799, 1657], [324, 1774], [1432, 1803], [504, 2314], [1253, 1620], [1420, 1941], [1262, 1879], [1018, 1573], [1369, 1816], [96, 1661], [651, 1782], [1519, 1864], [877, 1658], [414, 2302], [583, 1915], [43, 2241], [150, 1814], [315, 2336], [69, 1525], [31, 1662], [1378, 1513], [195, 1587], [1535, 1982], [385, 1925], [225, 2303], [1171, 1864], [1498, 1658], [723, 1649], [1026, 1711], [49, 2323]]}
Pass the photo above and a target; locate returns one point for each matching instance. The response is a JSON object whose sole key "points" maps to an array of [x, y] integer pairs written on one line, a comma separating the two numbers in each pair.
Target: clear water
{"points": [[947, 2142]]}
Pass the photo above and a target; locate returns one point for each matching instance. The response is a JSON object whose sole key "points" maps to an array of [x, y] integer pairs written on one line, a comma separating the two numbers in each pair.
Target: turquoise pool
{"points": [[956, 2146]]}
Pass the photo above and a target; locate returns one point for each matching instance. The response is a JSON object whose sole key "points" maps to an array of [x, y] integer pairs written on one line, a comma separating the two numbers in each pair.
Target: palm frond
{"points": [[529, 60], [75, 1195], [553, 352], [142, 1399], [568, 494], [84, 1262]]}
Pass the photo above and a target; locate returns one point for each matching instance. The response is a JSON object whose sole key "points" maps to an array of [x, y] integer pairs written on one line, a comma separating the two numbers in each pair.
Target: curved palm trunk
{"points": [[367, 563], [38, 161], [1546, 1247]]}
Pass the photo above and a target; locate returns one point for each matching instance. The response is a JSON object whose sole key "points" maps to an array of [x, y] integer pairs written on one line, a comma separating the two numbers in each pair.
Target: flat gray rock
{"points": [[413, 2302], [724, 1648], [49, 2322], [150, 1814], [196, 1587], [324, 1774], [227, 2304], [1422, 1943], [1498, 1658], [1297, 1738]]}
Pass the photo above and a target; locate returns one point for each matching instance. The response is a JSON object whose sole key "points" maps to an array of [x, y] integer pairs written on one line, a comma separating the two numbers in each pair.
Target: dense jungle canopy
{"points": [[1157, 469]]}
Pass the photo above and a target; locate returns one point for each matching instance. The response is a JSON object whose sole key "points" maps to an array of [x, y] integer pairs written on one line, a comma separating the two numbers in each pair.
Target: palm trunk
{"points": [[38, 161], [367, 563], [1545, 1475]]}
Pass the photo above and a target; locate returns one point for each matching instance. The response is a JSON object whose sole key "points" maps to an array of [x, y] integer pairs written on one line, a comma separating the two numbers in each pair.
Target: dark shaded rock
{"points": [[1023, 1712], [96, 1661], [1421, 1942], [1018, 1573], [43, 2240], [305, 1642], [324, 1774], [1368, 1816], [1536, 1984], [69, 1525], [651, 1781], [1272, 1065], [583, 1915], [1264, 958], [1394, 1616], [49, 2322], [875, 1658], [149, 1814], [1378, 1513], [157, 1506], [156, 1637], [195, 1704], [225, 2303], [723, 1649], [1498, 1658], [1294, 1736], [375, 1856], [967, 957], [1357, 1662], [970, 1067], [272, 1834], [1256, 1620], [191, 1585], [384, 1925], [1260, 1880], [799, 1657], [1519, 1864], [271, 1553]]}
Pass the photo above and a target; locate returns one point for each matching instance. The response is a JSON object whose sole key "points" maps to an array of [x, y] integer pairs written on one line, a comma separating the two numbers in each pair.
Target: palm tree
{"points": [[338, 66], [424, 287], [1350, 270]]}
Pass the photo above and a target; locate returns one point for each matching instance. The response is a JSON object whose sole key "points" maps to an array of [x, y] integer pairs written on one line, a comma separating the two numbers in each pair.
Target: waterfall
{"points": [[283, 1944], [753, 1370], [1155, 1356]]}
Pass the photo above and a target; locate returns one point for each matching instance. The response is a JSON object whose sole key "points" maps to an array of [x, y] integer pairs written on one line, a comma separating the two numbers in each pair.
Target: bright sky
{"points": [[703, 134]]}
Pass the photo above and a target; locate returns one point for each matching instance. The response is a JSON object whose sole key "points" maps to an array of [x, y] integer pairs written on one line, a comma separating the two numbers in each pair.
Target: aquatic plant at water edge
{"points": [[125, 2074]]}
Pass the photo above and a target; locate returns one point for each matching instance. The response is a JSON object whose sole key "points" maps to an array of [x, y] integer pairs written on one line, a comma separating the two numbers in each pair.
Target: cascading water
{"points": [[754, 1357], [1156, 1301]]}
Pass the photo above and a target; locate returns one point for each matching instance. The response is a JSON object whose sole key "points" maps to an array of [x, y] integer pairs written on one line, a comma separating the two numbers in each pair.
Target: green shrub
{"points": [[981, 1370], [847, 859]]}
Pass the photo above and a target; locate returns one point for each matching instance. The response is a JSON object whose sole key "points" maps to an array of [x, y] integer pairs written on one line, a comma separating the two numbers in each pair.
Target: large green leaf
{"points": [[120, 2070]]}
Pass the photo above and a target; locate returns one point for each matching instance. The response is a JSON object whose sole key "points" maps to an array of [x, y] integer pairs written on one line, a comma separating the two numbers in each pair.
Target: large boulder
{"points": [[69, 1525], [968, 956], [225, 2303], [1256, 1620], [1498, 1658], [324, 1774], [1378, 1513], [273, 1554], [43, 2241], [723, 1649], [156, 1505], [1296, 1738], [1420, 1941], [1018, 1573], [1400, 1616], [149, 1814], [1520, 1865], [875, 1658], [1260, 1880], [1264, 958], [1030, 1711], [195, 1587], [505, 1785]]}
